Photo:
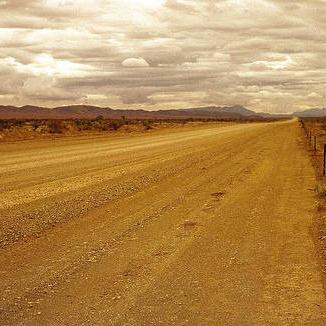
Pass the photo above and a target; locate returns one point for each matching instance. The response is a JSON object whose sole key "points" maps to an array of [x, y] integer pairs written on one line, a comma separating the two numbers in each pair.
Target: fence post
{"points": [[315, 143], [324, 167]]}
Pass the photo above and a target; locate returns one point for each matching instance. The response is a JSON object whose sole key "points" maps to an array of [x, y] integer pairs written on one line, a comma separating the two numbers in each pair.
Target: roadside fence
{"points": [[318, 147]]}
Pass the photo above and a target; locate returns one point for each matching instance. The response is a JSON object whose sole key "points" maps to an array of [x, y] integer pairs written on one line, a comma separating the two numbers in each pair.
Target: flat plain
{"points": [[193, 226]]}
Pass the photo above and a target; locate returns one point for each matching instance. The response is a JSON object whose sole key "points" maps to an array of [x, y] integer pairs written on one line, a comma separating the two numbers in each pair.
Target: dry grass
{"points": [[320, 189]]}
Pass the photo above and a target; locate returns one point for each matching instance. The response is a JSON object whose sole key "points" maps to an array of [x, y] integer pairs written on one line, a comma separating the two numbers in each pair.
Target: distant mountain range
{"points": [[310, 113], [91, 112]]}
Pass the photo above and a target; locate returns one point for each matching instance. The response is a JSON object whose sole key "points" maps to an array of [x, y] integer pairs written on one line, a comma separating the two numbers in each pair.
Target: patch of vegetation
{"points": [[26, 128], [32, 128], [320, 189], [55, 126]]}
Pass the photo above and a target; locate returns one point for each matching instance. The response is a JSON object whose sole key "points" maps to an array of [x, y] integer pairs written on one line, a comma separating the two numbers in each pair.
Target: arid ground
{"points": [[195, 226]]}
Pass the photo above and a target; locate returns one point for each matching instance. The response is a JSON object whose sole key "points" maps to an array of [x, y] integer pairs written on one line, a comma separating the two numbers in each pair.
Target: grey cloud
{"points": [[267, 54]]}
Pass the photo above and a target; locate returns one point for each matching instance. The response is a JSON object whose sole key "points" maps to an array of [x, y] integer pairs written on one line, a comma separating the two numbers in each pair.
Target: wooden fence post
{"points": [[315, 143], [324, 167]]}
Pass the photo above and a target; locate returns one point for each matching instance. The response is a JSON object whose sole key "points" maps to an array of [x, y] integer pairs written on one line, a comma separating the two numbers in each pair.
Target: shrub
{"points": [[147, 125], [116, 124], [56, 126], [3, 124]]}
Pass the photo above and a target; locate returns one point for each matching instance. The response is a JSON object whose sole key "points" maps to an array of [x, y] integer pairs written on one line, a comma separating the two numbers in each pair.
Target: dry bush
{"points": [[56, 126]]}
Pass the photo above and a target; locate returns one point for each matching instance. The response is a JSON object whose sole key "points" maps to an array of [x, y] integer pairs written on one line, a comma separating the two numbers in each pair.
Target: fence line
{"points": [[313, 142]]}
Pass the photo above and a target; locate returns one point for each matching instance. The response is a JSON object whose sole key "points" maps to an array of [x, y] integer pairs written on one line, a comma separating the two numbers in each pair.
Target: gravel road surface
{"points": [[193, 226]]}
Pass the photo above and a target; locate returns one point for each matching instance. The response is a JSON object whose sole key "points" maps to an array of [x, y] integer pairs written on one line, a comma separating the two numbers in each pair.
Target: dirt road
{"points": [[199, 226]]}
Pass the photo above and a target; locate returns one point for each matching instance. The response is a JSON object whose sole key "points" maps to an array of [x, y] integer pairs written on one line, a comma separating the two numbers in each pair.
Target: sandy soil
{"points": [[203, 226]]}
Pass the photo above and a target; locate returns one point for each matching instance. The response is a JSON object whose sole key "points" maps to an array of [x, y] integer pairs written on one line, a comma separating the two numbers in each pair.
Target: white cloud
{"points": [[276, 65], [135, 62], [143, 4], [315, 95], [45, 64]]}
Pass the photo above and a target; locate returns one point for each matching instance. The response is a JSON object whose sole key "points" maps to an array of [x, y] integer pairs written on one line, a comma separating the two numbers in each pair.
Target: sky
{"points": [[268, 55]]}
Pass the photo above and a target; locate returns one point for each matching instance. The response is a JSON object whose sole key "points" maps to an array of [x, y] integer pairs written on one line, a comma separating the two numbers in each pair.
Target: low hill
{"points": [[311, 113], [237, 109]]}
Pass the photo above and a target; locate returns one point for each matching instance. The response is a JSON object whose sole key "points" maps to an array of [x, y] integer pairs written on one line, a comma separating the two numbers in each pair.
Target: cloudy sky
{"points": [[269, 55]]}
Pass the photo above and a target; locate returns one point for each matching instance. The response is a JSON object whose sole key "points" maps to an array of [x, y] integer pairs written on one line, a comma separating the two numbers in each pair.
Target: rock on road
{"points": [[193, 226]]}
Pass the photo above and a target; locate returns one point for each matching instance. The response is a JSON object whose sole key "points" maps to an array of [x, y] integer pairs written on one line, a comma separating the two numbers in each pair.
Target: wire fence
{"points": [[317, 144]]}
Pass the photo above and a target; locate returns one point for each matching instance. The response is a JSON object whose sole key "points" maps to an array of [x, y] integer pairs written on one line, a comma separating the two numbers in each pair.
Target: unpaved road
{"points": [[199, 226]]}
